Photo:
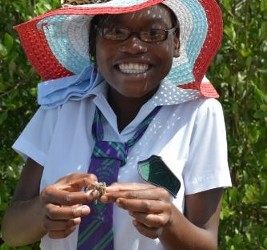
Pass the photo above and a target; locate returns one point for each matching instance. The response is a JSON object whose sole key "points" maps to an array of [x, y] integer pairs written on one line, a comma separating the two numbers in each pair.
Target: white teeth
{"points": [[133, 68]]}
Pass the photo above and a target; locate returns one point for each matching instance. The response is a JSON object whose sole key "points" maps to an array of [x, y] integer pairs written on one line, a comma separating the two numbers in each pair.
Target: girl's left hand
{"points": [[149, 205]]}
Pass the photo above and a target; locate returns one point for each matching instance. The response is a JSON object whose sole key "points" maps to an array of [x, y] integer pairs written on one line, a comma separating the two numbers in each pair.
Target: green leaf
{"points": [[8, 42], [3, 50]]}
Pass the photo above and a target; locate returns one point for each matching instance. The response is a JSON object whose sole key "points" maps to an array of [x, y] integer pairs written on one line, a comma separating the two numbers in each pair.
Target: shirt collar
{"points": [[167, 94]]}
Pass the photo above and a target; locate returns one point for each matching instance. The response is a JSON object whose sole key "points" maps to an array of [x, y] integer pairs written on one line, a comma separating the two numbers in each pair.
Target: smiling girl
{"points": [[128, 148]]}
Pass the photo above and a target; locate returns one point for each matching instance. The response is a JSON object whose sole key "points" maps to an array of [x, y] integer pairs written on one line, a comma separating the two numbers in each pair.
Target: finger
{"points": [[56, 196], [149, 193], [149, 232], [151, 220], [107, 199], [76, 182], [143, 206], [60, 225], [117, 190], [60, 234], [128, 186], [54, 212]]}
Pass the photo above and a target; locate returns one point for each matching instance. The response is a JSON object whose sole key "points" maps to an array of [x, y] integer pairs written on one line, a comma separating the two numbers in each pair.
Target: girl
{"points": [[137, 115]]}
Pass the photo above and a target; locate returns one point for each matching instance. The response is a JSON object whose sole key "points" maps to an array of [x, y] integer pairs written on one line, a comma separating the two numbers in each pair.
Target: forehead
{"points": [[156, 13]]}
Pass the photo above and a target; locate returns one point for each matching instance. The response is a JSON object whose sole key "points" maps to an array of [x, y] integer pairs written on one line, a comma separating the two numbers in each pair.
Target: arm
{"points": [[24, 208], [156, 217], [56, 211], [198, 229]]}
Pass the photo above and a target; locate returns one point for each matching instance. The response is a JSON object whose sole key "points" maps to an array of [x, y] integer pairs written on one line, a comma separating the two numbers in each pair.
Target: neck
{"points": [[126, 108]]}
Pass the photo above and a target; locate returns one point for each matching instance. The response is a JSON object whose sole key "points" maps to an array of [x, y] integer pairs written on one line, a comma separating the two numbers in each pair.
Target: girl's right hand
{"points": [[63, 202]]}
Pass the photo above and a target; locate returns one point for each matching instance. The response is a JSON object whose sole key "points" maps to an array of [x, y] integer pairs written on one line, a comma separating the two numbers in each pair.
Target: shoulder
{"points": [[204, 104], [204, 114], [45, 121], [198, 108], [209, 103], [210, 107], [207, 107]]}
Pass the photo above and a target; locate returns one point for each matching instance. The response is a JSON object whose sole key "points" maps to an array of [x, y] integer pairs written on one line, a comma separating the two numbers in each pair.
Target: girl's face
{"points": [[132, 67]]}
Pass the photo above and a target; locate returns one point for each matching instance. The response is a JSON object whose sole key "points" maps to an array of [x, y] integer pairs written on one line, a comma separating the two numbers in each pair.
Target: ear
{"points": [[176, 46]]}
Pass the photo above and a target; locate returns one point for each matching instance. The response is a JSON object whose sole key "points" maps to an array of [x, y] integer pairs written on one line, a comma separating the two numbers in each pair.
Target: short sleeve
{"points": [[207, 164], [35, 139]]}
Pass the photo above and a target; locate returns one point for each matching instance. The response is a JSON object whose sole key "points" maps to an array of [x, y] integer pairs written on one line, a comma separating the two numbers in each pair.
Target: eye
{"points": [[157, 33], [115, 33], [153, 35]]}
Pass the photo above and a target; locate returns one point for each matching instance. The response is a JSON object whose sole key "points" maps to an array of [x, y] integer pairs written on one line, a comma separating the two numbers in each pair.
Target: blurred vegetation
{"points": [[240, 69], [240, 75]]}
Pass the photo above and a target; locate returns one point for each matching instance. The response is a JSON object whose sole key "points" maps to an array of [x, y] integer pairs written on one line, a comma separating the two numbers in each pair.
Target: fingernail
{"points": [[77, 220], [83, 209]]}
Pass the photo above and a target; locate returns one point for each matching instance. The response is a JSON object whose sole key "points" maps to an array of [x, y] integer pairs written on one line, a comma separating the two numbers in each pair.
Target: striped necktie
{"points": [[95, 231]]}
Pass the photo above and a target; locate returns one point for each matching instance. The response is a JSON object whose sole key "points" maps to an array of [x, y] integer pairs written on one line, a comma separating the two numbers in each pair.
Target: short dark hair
{"points": [[97, 21]]}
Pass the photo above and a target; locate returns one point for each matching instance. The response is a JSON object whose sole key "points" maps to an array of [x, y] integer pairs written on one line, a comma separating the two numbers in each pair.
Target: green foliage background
{"points": [[240, 75]]}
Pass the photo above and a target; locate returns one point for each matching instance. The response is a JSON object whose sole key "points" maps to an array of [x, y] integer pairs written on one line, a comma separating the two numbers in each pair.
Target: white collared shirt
{"points": [[189, 136]]}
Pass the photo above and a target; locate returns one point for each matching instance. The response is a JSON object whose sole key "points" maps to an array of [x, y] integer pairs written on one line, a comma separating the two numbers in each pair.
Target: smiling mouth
{"points": [[133, 68]]}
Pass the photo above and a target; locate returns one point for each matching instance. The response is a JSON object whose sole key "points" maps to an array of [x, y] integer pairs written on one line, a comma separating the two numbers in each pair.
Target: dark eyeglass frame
{"points": [[127, 33]]}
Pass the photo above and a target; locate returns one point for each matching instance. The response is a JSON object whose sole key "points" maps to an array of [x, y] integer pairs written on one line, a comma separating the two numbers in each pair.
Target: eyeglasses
{"points": [[122, 34]]}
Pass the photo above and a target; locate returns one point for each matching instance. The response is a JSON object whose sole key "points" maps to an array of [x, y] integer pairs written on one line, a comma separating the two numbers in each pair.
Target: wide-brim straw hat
{"points": [[57, 42]]}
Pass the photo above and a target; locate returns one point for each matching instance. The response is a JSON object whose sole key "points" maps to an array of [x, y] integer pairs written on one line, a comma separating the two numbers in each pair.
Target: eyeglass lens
{"points": [[122, 34]]}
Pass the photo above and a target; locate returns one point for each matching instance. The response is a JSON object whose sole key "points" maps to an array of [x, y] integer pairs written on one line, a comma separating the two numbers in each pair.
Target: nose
{"points": [[133, 45]]}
